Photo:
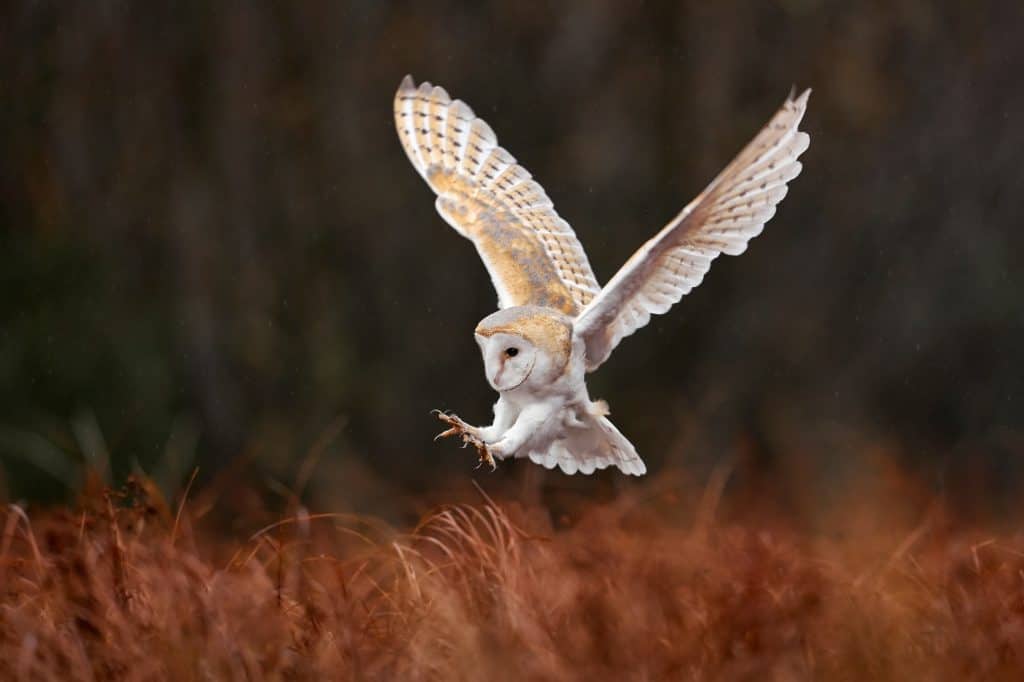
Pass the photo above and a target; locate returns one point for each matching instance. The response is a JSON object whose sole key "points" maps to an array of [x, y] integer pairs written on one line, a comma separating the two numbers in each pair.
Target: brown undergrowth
{"points": [[126, 588]]}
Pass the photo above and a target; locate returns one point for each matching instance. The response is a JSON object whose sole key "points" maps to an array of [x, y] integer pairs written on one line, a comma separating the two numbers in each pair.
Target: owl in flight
{"points": [[554, 322]]}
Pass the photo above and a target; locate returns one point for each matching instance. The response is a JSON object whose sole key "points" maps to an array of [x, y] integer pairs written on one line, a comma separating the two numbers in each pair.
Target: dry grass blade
{"points": [[473, 593], [181, 504]]}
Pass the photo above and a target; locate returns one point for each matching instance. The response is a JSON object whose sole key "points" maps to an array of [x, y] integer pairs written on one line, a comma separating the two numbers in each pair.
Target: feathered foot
{"points": [[457, 427]]}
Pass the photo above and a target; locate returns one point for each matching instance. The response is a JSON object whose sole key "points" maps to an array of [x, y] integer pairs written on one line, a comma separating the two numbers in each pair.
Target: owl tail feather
{"points": [[589, 446]]}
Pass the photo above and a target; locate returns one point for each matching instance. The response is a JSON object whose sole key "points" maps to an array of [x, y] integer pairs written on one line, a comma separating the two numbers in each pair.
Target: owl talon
{"points": [[460, 428], [485, 456], [446, 434]]}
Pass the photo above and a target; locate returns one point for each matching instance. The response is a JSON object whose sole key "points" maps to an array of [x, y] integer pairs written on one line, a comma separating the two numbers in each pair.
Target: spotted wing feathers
{"points": [[531, 253]]}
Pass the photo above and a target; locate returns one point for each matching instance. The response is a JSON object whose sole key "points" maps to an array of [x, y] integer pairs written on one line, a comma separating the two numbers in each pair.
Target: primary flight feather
{"points": [[554, 322]]}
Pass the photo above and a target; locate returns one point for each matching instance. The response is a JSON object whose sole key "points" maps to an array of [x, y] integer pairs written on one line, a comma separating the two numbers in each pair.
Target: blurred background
{"points": [[214, 253]]}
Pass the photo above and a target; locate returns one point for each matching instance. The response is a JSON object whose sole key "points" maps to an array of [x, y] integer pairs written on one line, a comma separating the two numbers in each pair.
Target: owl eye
{"points": [[511, 352]]}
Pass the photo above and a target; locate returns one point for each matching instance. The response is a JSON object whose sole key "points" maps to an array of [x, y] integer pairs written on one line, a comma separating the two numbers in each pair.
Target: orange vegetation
{"points": [[125, 588]]}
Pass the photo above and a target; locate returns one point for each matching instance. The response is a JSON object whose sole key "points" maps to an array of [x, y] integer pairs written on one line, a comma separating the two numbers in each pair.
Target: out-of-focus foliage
{"points": [[212, 246], [638, 588]]}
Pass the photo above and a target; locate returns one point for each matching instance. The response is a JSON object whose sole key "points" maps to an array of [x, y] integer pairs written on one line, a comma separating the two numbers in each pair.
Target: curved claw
{"points": [[486, 457], [460, 428], [445, 434], [456, 424]]}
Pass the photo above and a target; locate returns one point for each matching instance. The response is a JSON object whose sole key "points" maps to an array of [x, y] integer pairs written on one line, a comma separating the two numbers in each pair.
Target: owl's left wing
{"points": [[532, 255], [722, 219]]}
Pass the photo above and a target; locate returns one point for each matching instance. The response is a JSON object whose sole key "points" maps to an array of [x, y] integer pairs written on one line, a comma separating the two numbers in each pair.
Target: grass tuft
{"points": [[124, 588]]}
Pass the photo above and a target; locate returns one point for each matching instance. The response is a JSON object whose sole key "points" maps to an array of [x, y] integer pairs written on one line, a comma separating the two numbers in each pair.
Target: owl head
{"points": [[524, 346]]}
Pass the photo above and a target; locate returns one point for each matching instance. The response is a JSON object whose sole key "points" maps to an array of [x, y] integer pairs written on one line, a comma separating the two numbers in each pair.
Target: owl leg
{"points": [[505, 415], [470, 436], [528, 424]]}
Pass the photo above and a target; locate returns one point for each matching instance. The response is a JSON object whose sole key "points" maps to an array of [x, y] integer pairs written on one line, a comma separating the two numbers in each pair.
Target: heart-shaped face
{"points": [[508, 359]]}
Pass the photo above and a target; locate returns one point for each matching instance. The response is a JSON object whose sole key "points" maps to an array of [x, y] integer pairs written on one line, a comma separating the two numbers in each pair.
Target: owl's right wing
{"points": [[722, 219], [531, 254]]}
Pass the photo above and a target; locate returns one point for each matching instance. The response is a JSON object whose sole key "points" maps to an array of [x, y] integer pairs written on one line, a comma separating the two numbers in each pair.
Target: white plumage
{"points": [[481, 188], [554, 322]]}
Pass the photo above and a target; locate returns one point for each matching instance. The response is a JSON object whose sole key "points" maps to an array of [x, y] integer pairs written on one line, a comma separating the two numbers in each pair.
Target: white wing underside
{"points": [[531, 254], [722, 219]]}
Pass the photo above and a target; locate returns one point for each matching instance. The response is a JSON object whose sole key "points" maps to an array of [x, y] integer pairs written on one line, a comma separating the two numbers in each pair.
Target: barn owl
{"points": [[554, 323]]}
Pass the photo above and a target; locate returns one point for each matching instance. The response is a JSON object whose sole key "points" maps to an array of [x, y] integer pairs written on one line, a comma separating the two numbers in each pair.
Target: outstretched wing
{"points": [[728, 214], [532, 255]]}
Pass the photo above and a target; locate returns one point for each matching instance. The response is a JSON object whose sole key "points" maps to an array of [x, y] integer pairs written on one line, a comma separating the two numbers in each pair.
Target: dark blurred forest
{"points": [[214, 252]]}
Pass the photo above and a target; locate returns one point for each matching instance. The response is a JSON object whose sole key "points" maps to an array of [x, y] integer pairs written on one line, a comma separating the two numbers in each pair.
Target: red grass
{"points": [[631, 589]]}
